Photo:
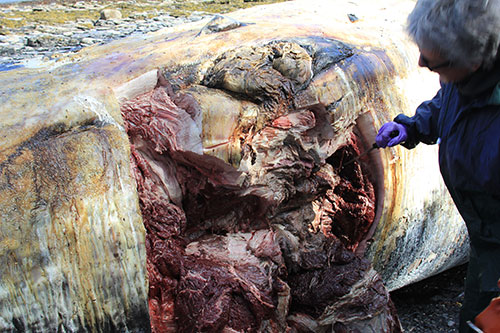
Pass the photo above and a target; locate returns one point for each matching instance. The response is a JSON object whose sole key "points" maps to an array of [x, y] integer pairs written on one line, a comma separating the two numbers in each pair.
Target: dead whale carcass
{"points": [[251, 220]]}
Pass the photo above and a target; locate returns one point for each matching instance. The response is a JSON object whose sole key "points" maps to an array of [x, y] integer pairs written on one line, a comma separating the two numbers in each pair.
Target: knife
{"points": [[374, 146], [393, 134], [474, 327]]}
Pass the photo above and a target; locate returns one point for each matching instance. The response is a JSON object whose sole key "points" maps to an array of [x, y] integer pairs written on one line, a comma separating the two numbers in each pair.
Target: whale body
{"points": [[196, 178]]}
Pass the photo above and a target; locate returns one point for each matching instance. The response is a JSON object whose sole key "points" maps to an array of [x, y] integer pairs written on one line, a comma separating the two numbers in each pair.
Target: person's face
{"points": [[446, 70]]}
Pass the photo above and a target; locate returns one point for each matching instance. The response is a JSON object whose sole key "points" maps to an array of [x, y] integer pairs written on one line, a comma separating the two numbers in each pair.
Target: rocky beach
{"points": [[37, 31]]}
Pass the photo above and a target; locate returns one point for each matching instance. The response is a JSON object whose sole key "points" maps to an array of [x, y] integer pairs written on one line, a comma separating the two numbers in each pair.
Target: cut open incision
{"points": [[251, 224], [267, 246], [350, 202]]}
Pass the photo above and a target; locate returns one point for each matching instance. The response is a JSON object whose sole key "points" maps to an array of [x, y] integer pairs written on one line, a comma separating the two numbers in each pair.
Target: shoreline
{"points": [[48, 28], [38, 2]]}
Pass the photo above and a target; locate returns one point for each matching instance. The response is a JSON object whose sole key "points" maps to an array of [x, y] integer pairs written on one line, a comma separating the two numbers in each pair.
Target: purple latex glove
{"points": [[391, 134]]}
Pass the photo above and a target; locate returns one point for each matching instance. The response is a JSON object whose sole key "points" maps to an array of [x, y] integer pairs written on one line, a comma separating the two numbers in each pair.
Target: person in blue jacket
{"points": [[459, 40]]}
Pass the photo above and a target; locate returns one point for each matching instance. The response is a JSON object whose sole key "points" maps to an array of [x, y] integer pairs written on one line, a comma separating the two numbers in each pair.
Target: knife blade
{"points": [[374, 146], [474, 327], [393, 134]]}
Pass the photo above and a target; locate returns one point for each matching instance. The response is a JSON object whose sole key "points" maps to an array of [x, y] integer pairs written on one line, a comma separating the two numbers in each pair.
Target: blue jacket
{"points": [[468, 131]]}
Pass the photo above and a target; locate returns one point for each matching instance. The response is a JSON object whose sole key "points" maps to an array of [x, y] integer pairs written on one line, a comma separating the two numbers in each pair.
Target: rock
{"points": [[33, 42], [352, 17], [110, 14], [87, 41], [139, 16], [46, 40], [79, 5]]}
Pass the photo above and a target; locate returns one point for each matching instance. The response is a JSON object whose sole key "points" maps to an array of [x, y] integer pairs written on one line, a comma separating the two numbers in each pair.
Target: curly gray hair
{"points": [[466, 32]]}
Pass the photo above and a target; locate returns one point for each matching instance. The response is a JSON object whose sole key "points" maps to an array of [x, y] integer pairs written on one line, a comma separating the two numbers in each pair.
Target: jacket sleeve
{"points": [[422, 127]]}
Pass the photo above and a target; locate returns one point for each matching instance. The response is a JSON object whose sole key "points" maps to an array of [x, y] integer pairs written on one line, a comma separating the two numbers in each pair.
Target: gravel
{"points": [[433, 304]]}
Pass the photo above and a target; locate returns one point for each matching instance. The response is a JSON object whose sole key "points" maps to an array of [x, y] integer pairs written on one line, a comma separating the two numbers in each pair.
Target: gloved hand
{"points": [[391, 134]]}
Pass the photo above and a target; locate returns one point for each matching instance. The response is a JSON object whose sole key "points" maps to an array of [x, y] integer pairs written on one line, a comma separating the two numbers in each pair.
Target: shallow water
{"points": [[12, 1]]}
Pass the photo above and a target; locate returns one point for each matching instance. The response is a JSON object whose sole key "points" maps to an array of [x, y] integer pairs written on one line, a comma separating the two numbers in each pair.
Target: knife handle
{"points": [[393, 134]]}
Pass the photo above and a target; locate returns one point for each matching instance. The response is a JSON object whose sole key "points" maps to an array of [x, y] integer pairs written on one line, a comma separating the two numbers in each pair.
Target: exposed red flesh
{"points": [[225, 256]]}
